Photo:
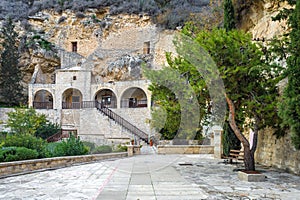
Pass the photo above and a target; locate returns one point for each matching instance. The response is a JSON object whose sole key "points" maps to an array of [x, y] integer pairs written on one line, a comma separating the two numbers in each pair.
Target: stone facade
{"points": [[101, 64]]}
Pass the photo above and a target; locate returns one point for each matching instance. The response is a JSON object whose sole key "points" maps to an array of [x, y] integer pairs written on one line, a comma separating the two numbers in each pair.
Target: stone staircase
{"points": [[125, 123]]}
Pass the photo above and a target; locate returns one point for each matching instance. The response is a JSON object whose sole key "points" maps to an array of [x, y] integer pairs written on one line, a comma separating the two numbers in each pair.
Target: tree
{"points": [[289, 107], [249, 81], [25, 121], [229, 17], [10, 73], [173, 90], [250, 84]]}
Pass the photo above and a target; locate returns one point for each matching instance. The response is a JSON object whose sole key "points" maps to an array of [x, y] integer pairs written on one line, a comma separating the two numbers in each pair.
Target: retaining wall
{"points": [[25, 166], [185, 149]]}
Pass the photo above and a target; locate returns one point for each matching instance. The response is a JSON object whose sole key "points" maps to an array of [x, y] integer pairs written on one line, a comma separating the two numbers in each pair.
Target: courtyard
{"points": [[150, 176]]}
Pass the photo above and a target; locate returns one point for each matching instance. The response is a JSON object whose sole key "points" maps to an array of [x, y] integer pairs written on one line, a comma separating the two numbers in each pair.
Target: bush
{"points": [[120, 148], [90, 145], [27, 141], [72, 147], [46, 130], [102, 149], [17, 153]]}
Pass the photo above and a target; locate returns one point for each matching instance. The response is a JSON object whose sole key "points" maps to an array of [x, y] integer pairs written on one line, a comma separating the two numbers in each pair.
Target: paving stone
{"points": [[149, 176]]}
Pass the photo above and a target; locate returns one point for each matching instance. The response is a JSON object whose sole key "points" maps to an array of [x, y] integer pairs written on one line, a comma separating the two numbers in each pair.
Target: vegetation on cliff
{"points": [[289, 107], [165, 12]]}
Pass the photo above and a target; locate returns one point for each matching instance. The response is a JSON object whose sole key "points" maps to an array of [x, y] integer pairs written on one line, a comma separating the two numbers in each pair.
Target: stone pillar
{"points": [[217, 142], [30, 95], [130, 150]]}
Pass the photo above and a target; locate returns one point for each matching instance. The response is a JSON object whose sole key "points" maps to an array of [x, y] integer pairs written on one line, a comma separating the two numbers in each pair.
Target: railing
{"points": [[127, 103], [78, 105], [56, 137], [43, 105], [62, 133], [123, 122]]}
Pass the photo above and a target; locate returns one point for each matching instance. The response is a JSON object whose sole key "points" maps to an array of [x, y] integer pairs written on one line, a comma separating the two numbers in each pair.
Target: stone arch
{"points": [[107, 97], [134, 97], [43, 99], [71, 99]]}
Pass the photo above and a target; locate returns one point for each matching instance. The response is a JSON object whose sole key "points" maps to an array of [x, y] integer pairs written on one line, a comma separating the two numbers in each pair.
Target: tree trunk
{"points": [[249, 159], [248, 153]]}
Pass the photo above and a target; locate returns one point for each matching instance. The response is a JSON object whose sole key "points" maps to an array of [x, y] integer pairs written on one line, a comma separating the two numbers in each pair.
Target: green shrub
{"points": [[90, 145], [120, 148], [17, 153], [102, 149], [27, 141], [50, 148], [46, 130], [71, 147]]}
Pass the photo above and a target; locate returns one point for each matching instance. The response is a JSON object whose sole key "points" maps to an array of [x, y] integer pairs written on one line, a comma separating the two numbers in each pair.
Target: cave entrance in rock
{"points": [[134, 98], [43, 99], [71, 99], [107, 98]]}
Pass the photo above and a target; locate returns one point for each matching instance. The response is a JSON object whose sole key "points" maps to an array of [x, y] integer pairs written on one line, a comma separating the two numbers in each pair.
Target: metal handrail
{"points": [[56, 137], [123, 122]]}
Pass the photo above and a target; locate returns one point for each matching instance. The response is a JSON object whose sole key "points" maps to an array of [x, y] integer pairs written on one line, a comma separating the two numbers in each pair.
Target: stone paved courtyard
{"points": [[146, 177]]}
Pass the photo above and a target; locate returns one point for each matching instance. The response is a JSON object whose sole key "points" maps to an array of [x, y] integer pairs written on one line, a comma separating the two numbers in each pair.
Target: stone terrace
{"points": [[146, 177]]}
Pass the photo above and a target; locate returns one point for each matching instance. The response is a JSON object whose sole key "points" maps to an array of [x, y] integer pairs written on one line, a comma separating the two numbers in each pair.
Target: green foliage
{"points": [[17, 153], [102, 149], [49, 149], [71, 147], [90, 145], [289, 107], [42, 43], [27, 141], [120, 148], [10, 73], [229, 140], [180, 81], [250, 81], [47, 129], [25, 121], [229, 17]]}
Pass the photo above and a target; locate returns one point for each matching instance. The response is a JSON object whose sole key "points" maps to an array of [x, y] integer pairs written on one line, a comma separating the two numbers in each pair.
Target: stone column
{"points": [[217, 142], [130, 150], [30, 95]]}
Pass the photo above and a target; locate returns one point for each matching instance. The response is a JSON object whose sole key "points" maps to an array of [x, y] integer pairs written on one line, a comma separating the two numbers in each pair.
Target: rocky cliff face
{"points": [[256, 17], [115, 43]]}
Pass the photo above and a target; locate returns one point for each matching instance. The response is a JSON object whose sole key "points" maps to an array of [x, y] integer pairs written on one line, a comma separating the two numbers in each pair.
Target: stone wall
{"points": [[278, 153], [185, 149], [21, 167], [99, 129], [140, 117]]}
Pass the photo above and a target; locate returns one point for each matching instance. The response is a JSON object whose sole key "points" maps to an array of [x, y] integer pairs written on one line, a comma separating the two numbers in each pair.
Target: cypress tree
{"points": [[229, 18], [230, 141], [10, 73]]}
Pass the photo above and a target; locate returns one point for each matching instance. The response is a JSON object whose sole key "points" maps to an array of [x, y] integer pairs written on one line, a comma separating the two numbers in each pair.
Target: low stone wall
{"points": [[185, 149], [279, 153], [19, 167]]}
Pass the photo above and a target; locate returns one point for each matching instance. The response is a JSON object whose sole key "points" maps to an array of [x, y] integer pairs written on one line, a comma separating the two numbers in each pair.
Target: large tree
{"points": [[10, 73], [250, 84], [249, 81]]}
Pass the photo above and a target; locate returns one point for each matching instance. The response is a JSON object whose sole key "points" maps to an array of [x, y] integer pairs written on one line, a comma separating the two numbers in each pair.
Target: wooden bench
{"points": [[235, 155]]}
